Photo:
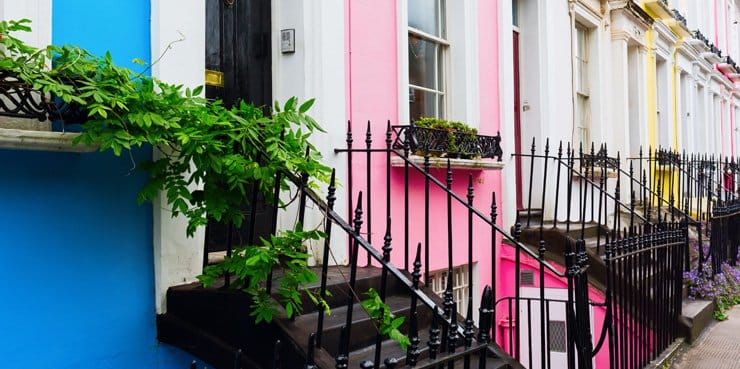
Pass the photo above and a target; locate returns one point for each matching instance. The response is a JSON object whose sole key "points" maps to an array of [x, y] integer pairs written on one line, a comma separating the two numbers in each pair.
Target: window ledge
{"points": [[20, 139], [437, 162]]}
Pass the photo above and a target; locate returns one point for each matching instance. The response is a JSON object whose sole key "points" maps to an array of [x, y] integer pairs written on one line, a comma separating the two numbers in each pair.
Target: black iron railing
{"points": [[651, 247]]}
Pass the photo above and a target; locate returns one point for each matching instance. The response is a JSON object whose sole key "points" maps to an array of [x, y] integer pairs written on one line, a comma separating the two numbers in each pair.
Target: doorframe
{"points": [[516, 66]]}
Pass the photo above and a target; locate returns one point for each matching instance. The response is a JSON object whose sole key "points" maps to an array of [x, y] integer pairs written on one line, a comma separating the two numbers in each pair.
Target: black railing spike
{"points": [[368, 135], [517, 231], [357, 222], [434, 332], [452, 331], [349, 139], [485, 316], [468, 333], [470, 194], [416, 274], [367, 364], [387, 248], [494, 207], [448, 297], [330, 199], [388, 135]]}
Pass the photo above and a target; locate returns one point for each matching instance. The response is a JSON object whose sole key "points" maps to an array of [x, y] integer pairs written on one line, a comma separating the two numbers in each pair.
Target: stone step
{"points": [[696, 315]]}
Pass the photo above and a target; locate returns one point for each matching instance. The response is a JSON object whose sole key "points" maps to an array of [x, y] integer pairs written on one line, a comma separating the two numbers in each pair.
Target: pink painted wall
{"points": [[372, 93]]}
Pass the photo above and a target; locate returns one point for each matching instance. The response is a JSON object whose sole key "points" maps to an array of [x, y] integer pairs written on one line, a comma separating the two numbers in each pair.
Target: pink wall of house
{"points": [[372, 95]]}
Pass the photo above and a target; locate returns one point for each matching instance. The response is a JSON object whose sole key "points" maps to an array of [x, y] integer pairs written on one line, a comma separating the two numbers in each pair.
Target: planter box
{"points": [[443, 143]]}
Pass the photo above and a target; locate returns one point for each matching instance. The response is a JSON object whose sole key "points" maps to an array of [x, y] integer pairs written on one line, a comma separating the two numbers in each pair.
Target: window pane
{"points": [[424, 63], [425, 104], [427, 16]]}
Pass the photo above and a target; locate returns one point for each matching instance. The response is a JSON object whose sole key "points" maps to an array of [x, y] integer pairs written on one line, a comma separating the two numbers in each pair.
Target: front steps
{"points": [[214, 324]]}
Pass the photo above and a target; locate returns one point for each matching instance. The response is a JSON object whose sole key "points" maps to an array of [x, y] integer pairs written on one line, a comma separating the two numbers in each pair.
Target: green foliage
{"points": [[202, 144], [386, 322], [446, 125], [250, 265]]}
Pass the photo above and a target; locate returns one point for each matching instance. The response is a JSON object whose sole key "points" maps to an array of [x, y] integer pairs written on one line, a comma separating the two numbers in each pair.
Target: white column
{"points": [[178, 37], [618, 133], [38, 11]]}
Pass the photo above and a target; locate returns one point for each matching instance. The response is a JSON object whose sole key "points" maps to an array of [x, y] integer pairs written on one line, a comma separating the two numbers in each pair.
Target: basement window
{"points": [[460, 286]]}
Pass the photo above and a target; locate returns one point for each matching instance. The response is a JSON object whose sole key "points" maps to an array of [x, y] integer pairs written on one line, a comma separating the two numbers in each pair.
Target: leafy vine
{"points": [[209, 154]]}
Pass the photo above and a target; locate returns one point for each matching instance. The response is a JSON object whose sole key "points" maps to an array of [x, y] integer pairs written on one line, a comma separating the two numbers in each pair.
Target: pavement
{"points": [[717, 348]]}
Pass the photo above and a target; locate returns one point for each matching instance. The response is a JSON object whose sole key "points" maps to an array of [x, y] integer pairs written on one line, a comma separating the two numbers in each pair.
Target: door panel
{"points": [[238, 49]]}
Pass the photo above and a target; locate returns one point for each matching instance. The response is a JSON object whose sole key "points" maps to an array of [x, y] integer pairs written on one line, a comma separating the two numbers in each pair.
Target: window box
{"points": [[23, 106], [448, 144]]}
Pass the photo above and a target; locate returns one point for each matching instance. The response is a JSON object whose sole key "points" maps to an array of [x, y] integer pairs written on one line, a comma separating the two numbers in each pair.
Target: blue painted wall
{"points": [[76, 272]]}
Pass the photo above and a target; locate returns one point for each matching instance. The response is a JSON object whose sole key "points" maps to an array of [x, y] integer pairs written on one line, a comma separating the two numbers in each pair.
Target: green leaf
{"points": [[306, 105]]}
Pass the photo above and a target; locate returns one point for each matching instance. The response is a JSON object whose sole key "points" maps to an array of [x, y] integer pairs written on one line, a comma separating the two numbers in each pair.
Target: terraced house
{"points": [[524, 182]]}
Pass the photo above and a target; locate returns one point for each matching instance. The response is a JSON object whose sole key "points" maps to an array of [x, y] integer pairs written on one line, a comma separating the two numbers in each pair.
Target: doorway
{"points": [[239, 68], [555, 329]]}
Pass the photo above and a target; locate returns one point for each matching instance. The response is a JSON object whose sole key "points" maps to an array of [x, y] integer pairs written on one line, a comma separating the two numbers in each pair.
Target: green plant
{"points": [[457, 132], [386, 322], [210, 154], [251, 266]]}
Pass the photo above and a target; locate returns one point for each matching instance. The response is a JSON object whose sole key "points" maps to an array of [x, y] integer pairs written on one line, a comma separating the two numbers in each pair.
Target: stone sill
{"points": [[441, 163], [20, 139]]}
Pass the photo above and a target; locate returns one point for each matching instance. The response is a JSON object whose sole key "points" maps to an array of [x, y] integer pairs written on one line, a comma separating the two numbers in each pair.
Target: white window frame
{"points": [[461, 72], [441, 110]]}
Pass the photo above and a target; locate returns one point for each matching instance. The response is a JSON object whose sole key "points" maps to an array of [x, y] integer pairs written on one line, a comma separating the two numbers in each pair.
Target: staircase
{"points": [[214, 324]]}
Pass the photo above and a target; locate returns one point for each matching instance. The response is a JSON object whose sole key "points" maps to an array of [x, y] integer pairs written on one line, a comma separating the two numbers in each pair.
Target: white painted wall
{"points": [[315, 70], [38, 11], [178, 37]]}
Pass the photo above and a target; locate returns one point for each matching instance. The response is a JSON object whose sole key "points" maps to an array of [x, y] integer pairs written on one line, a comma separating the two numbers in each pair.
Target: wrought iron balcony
{"points": [[453, 144], [679, 17], [19, 100], [600, 160], [665, 157]]}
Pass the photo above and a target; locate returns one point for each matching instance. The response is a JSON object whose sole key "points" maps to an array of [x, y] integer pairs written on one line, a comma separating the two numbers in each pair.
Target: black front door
{"points": [[238, 68]]}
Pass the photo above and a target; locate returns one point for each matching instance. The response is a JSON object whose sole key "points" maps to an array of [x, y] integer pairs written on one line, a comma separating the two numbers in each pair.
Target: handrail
{"points": [[587, 180], [480, 215], [344, 225], [653, 193]]}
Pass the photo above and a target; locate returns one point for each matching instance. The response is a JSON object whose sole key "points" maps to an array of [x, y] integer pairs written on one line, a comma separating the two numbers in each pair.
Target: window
{"points": [[583, 108], [460, 287], [427, 46]]}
